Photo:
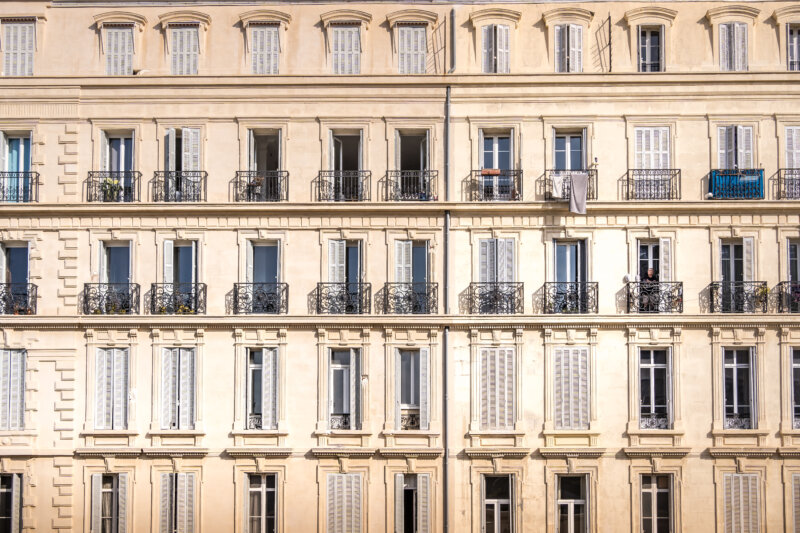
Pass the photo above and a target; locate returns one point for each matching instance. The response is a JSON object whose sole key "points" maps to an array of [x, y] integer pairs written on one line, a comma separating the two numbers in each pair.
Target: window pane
{"points": [[570, 488], [503, 153], [647, 504], [406, 380], [561, 153], [505, 518], [265, 264], [118, 264], [576, 153], [255, 388], [497, 487], [488, 152], [729, 390], [340, 357], [490, 527]]}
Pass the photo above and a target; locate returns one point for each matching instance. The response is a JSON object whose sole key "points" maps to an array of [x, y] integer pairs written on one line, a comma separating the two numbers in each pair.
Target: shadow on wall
{"points": [[601, 55]]}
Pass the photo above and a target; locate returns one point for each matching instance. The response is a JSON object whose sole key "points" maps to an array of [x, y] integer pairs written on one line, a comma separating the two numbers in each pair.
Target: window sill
{"points": [[259, 433], [342, 433], [740, 432], [176, 433], [496, 433], [410, 433], [665, 432], [109, 433], [18, 433]]}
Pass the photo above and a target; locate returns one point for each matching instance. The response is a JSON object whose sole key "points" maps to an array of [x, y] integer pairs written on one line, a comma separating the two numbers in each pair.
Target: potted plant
{"points": [[111, 187]]}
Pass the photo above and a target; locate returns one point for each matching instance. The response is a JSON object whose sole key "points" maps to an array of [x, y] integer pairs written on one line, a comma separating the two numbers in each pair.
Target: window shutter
{"points": [[355, 497], [575, 48], [185, 503], [191, 149], [119, 51], [398, 387], [485, 386], [571, 398], [505, 260], [665, 259], [503, 49], [403, 270], [258, 48], [169, 369], [742, 503], [16, 502], [662, 146], [488, 260], [102, 260], [423, 503], [421, 49], [726, 144], [102, 389], [19, 47], [169, 150], [166, 504], [639, 59], [488, 50], [120, 406], [424, 389], [748, 246], [744, 143], [177, 51], [17, 393], [269, 388], [9, 31], [249, 262], [2, 265], [251, 151], [185, 50], [3, 167], [186, 393], [724, 47], [505, 401], [753, 389], [169, 256], [403, 49], [194, 261], [560, 32], [796, 501], [273, 49], [740, 40], [246, 505], [5, 388], [97, 503], [122, 503], [336, 52], [399, 503], [335, 508], [344, 503], [792, 147], [104, 164], [639, 160], [661, 45], [355, 389], [581, 407], [355, 49], [336, 261]]}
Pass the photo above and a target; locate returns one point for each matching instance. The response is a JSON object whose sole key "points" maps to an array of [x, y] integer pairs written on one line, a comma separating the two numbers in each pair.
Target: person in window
{"points": [[649, 291]]}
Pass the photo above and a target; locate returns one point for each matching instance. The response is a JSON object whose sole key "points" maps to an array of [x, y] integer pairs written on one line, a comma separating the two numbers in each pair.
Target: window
{"points": [[344, 503], [109, 503], [177, 388], [12, 389], [796, 388], [496, 260], [116, 152], [412, 389], [652, 148], [412, 503], [796, 501], [735, 147], [346, 48], [739, 379], [573, 509], [177, 503], [571, 261], [182, 149], [119, 49], [793, 149], [345, 182], [261, 504], [737, 266], [495, 49], [793, 46], [14, 265], [262, 388], [497, 388], [263, 150], [651, 43], [111, 390], [263, 262], [15, 161], [115, 263], [411, 270], [180, 262], [742, 502], [265, 48], [19, 44], [568, 151], [496, 151], [571, 386], [11, 503], [654, 389], [569, 47], [656, 503], [733, 46], [411, 151], [412, 47], [794, 260], [344, 389], [344, 261], [346, 151], [497, 508], [185, 53]]}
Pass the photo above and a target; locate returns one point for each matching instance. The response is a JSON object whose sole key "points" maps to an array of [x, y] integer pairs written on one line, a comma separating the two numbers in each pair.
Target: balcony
{"points": [[655, 297], [410, 298], [18, 298], [178, 298], [789, 184], [344, 298], [739, 296], [496, 185], [654, 184], [411, 185], [340, 421], [654, 421], [497, 298], [180, 186], [736, 184], [570, 297], [19, 187], [343, 185], [789, 297], [260, 298], [110, 298], [409, 419], [113, 187], [558, 184], [737, 421], [262, 186]]}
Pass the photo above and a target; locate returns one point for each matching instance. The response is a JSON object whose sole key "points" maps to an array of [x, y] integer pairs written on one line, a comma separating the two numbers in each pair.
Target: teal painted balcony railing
{"points": [[736, 184]]}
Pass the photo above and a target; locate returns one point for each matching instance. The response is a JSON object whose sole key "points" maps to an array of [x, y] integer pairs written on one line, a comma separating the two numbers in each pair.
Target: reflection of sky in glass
{"points": [[419, 263], [184, 264], [265, 264], [503, 152], [118, 264], [116, 146], [17, 265], [352, 264]]}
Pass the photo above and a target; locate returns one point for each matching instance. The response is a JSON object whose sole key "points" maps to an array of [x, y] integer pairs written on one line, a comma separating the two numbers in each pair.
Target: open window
{"points": [[573, 504], [497, 507], [262, 388], [412, 389], [345, 181], [263, 181], [11, 502], [263, 292], [184, 180], [17, 295], [412, 493], [739, 388], [16, 178], [498, 179], [344, 389], [411, 289], [411, 179], [116, 181]]}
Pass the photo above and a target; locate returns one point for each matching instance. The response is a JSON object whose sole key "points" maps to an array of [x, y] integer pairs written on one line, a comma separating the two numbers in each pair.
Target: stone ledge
{"points": [[589, 453], [741, 452], [497, 452], [254, 451], [427, 453], [343, 452], [635, 451]]}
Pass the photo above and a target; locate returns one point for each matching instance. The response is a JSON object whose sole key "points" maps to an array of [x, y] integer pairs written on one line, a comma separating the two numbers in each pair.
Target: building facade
{"points": [[361, 267]]}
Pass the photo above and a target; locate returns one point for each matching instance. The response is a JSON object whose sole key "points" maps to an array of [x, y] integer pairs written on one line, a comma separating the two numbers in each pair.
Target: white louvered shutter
{"points": [[336, 261], [191, 149], [505, 260], [169, 257], [97, 503], [742, 503], [119, 50], [399, 503], [166, 506], [792, 147], [120, 390], [16, 502], [16, 408], [571, 388], [411, 49], [169, 387], [423, 503], [3, 164], [725, 52], [505, 390], [269, 389], [424, 389], [19, 46], [744, 142], [726, 144], [185, 503], [398, 387], [575, 48], [169, 150], [748, 249], [344, 503], [497, 388], [249, 262], [403, 270], [265, 48], [488, 261], [185, 50], [796, 502], [103, 386], [560, 48], [488, 50], [740, 46], [503, 49], [665, 259], [639, 160], [661, 145], [122, 503], [104, 149], [186, 389], [346, 49], [355, 389], [5, 387]]}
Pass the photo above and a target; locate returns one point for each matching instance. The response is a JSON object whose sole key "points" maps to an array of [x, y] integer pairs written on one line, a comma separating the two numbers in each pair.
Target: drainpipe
{"points": [[446, 295]]}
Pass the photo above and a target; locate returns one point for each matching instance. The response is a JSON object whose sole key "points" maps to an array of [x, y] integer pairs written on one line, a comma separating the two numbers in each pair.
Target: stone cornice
{"points": [[477, 18], [258, 451], [175, 452], [649, 13], [790, 13], [412, 15], [636, 451], [557, 452], [343, 452], [756, 453], [492, 452], [716, 14], [117, 17], [23, 16], [108, 452], [265, 15], [184, 16], [427, 453], [568, 14], [344, 16]]}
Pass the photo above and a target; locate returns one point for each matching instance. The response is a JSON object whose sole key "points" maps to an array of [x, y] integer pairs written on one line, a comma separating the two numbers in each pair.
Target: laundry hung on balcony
{"points": [[578, 193]]}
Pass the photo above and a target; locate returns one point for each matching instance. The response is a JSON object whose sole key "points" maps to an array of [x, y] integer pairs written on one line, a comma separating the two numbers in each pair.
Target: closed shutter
{"points": [[488, 261], [273, 49], [186, 391], [497, 388], [488, 50], [336, 261], [119, 51], [740, 44], [404, 49], [169, 150], [796, 501], [122, 503], [503, 49], [16, 413], [652, 148], [169, 257], [571, 388], [661, 146], [269, 389], [167, 504], [748, 249], [185, 503], [169, 386], [560, 48], [398, 387], [191, 149], [575, 48], [665, 259], [3, 266], [5, 387], [19, 46], [102, 261], [423, 503], [744, 146], [725, 31], [346, 49], [639, 160], [399, 503], [97, 503], [505, 260], [120, 404], [265, 48], [403, 271], [355, 389], [3, 166], [344, 503], [424, 389], [16, 503], [103, 389], [249, 262], [726, 144], [742, 503], [793, 147], [185, 50]]}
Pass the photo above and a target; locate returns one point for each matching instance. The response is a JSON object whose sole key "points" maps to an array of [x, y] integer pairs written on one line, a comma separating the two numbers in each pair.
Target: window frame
{"points": [[117, 19], [261, 17], [111, 351], [654, 491], [738, 13], [412, 17], [510, 502], [184, 18], [493, 16], [650, 16], [567, 15], [263, 491], [652, 367], [352, 393], [30, 59], [752, 376], [572, 502]]}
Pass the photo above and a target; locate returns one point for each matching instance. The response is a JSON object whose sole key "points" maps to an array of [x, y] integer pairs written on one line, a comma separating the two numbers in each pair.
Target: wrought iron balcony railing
{"points": [[411, 185], [736, 184], [789, 184], [789, 297], [343, 185], [19, 187], [265, 298], [558, 184], [496, 298], [344, 298], [254, 421], [110, 298], [409, 419], [655, 297], [570, 297], [262, 186], [654, 421], [178, 298], [737, 421], [108, 186], [180, 186], [654, 184], [411, 298], [340, 421], [18, 298], [739, 296], [496, 185]]}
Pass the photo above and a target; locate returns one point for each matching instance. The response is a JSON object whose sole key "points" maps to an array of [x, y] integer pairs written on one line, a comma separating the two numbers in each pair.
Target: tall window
{"points": [[262, 388], [651, 55], [411, 269], [497, 388], [735, 147], [654, 389], [412, 512], [109, 503], [657, 504], [793, 148], [495, 49], [111, 390], [11, 503], [177, 503], [733, 46], [571, 386], [265, 48], [180, 262], [15, 159], [261, 506], [796, 388], [185, 53], [568, 151], [182, 149], [573, 508], [571, 264], [652, 148], [119, 49], [496, 261], [14, 272], [411, 48], [412, 389], [739, 370], [742, 502], [497, 504], [344, 389], [344, 503], [177, 388], [569, 47], [19, 45], [793, 46], [346, 48], [12, 389], [116, 152]]}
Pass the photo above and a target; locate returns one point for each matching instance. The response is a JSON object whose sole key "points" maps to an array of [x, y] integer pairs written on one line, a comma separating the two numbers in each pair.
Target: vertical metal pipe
{"points": [[446, 294]]}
